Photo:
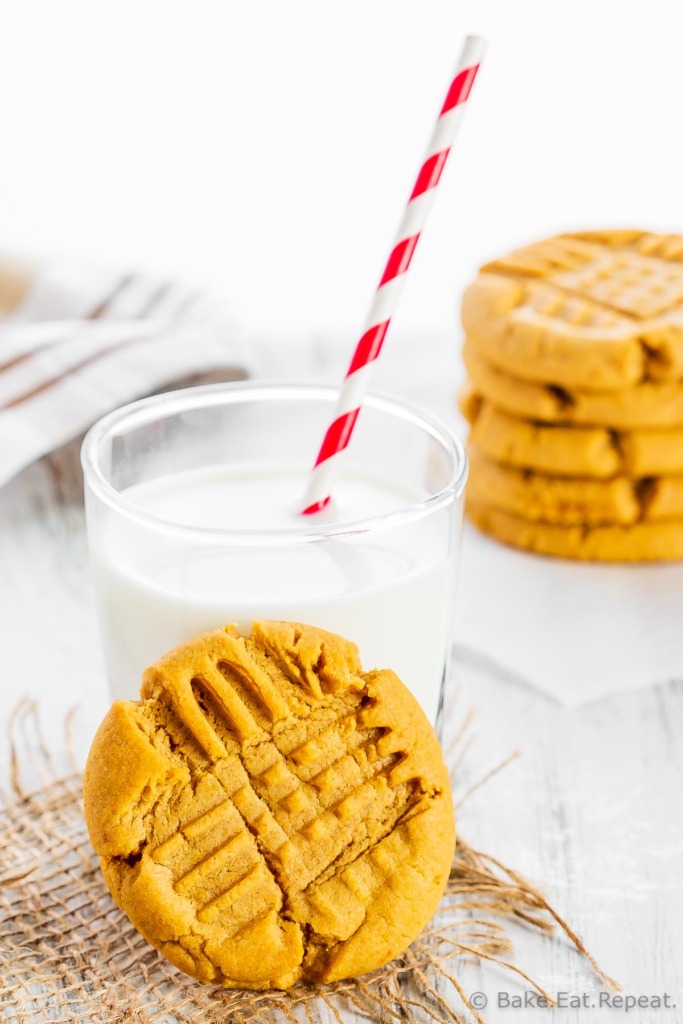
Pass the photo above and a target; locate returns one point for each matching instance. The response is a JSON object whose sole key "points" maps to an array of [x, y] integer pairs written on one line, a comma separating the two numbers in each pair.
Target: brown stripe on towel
{"points": [[23, 356], [98, 312], [189, 303], [101, 308], [156, 298], [51, 381]]}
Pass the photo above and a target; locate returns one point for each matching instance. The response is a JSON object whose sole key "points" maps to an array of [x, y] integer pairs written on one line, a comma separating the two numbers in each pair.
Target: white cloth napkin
{"points": [[77, 341]]}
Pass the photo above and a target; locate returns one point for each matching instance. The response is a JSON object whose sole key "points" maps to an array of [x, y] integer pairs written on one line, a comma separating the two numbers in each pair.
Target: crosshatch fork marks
{"points": [[598, 311], [299, 827]]}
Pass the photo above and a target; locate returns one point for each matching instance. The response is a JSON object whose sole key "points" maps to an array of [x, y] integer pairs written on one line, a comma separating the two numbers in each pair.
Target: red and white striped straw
{"points": [[357, 381]]}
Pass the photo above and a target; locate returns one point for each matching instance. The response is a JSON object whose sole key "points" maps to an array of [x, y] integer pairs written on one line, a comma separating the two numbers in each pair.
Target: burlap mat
{"points": [[68, 954]]}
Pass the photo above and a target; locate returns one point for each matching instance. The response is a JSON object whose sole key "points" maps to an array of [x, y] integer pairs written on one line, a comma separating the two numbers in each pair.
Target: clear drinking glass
{"points": [[192, 503]]}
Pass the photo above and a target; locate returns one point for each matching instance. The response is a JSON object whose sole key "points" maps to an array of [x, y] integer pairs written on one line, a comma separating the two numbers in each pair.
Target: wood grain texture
{"points": [[592, 810]]}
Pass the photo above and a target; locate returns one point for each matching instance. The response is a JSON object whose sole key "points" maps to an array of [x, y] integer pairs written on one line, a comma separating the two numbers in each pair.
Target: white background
{"points": [[267, 148]]}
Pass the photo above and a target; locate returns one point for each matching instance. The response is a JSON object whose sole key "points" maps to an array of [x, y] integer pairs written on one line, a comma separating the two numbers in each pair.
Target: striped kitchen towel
{"points": [[76, 341]]}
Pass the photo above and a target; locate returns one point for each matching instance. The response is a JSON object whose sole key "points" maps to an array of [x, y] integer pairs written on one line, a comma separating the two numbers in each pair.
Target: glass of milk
{"points": [[193, 505]]}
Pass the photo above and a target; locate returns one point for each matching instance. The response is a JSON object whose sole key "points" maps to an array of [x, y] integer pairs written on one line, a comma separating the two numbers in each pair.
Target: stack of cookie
{"points": [[574, 349]]}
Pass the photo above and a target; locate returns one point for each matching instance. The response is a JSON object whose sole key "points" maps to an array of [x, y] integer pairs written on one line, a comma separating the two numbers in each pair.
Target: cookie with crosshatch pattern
{"points": [[596, 311], [269, 812]]}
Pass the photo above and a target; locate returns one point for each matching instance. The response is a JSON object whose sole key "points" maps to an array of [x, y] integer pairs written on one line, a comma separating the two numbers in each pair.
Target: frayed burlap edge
{"points": [[68, 955]]}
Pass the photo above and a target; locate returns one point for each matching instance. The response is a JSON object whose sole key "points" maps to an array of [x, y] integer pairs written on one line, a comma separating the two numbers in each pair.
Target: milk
{"points": [[388, 591]]}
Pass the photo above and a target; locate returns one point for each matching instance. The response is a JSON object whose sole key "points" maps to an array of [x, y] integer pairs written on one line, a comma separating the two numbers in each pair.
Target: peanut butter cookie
{"points": [[571, 451], [270, 812], [595, 310], [640, 542], [645, 405], [572, 500], [553, 499]]}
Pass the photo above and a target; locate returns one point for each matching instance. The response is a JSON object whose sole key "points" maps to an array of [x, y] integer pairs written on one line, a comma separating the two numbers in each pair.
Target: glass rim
{"points": [[144, 410]]}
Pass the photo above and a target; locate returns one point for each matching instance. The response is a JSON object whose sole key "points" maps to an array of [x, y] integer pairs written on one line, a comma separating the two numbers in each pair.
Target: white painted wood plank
{"points": [[591, 812]]}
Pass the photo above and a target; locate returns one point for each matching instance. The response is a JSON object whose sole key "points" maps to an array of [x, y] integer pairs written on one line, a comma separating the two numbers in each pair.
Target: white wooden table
{"points": [[593, 808]]}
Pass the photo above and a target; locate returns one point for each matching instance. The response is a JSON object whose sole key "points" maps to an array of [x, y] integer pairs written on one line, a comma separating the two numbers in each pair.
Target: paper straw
{"points": [[357, 381]]}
